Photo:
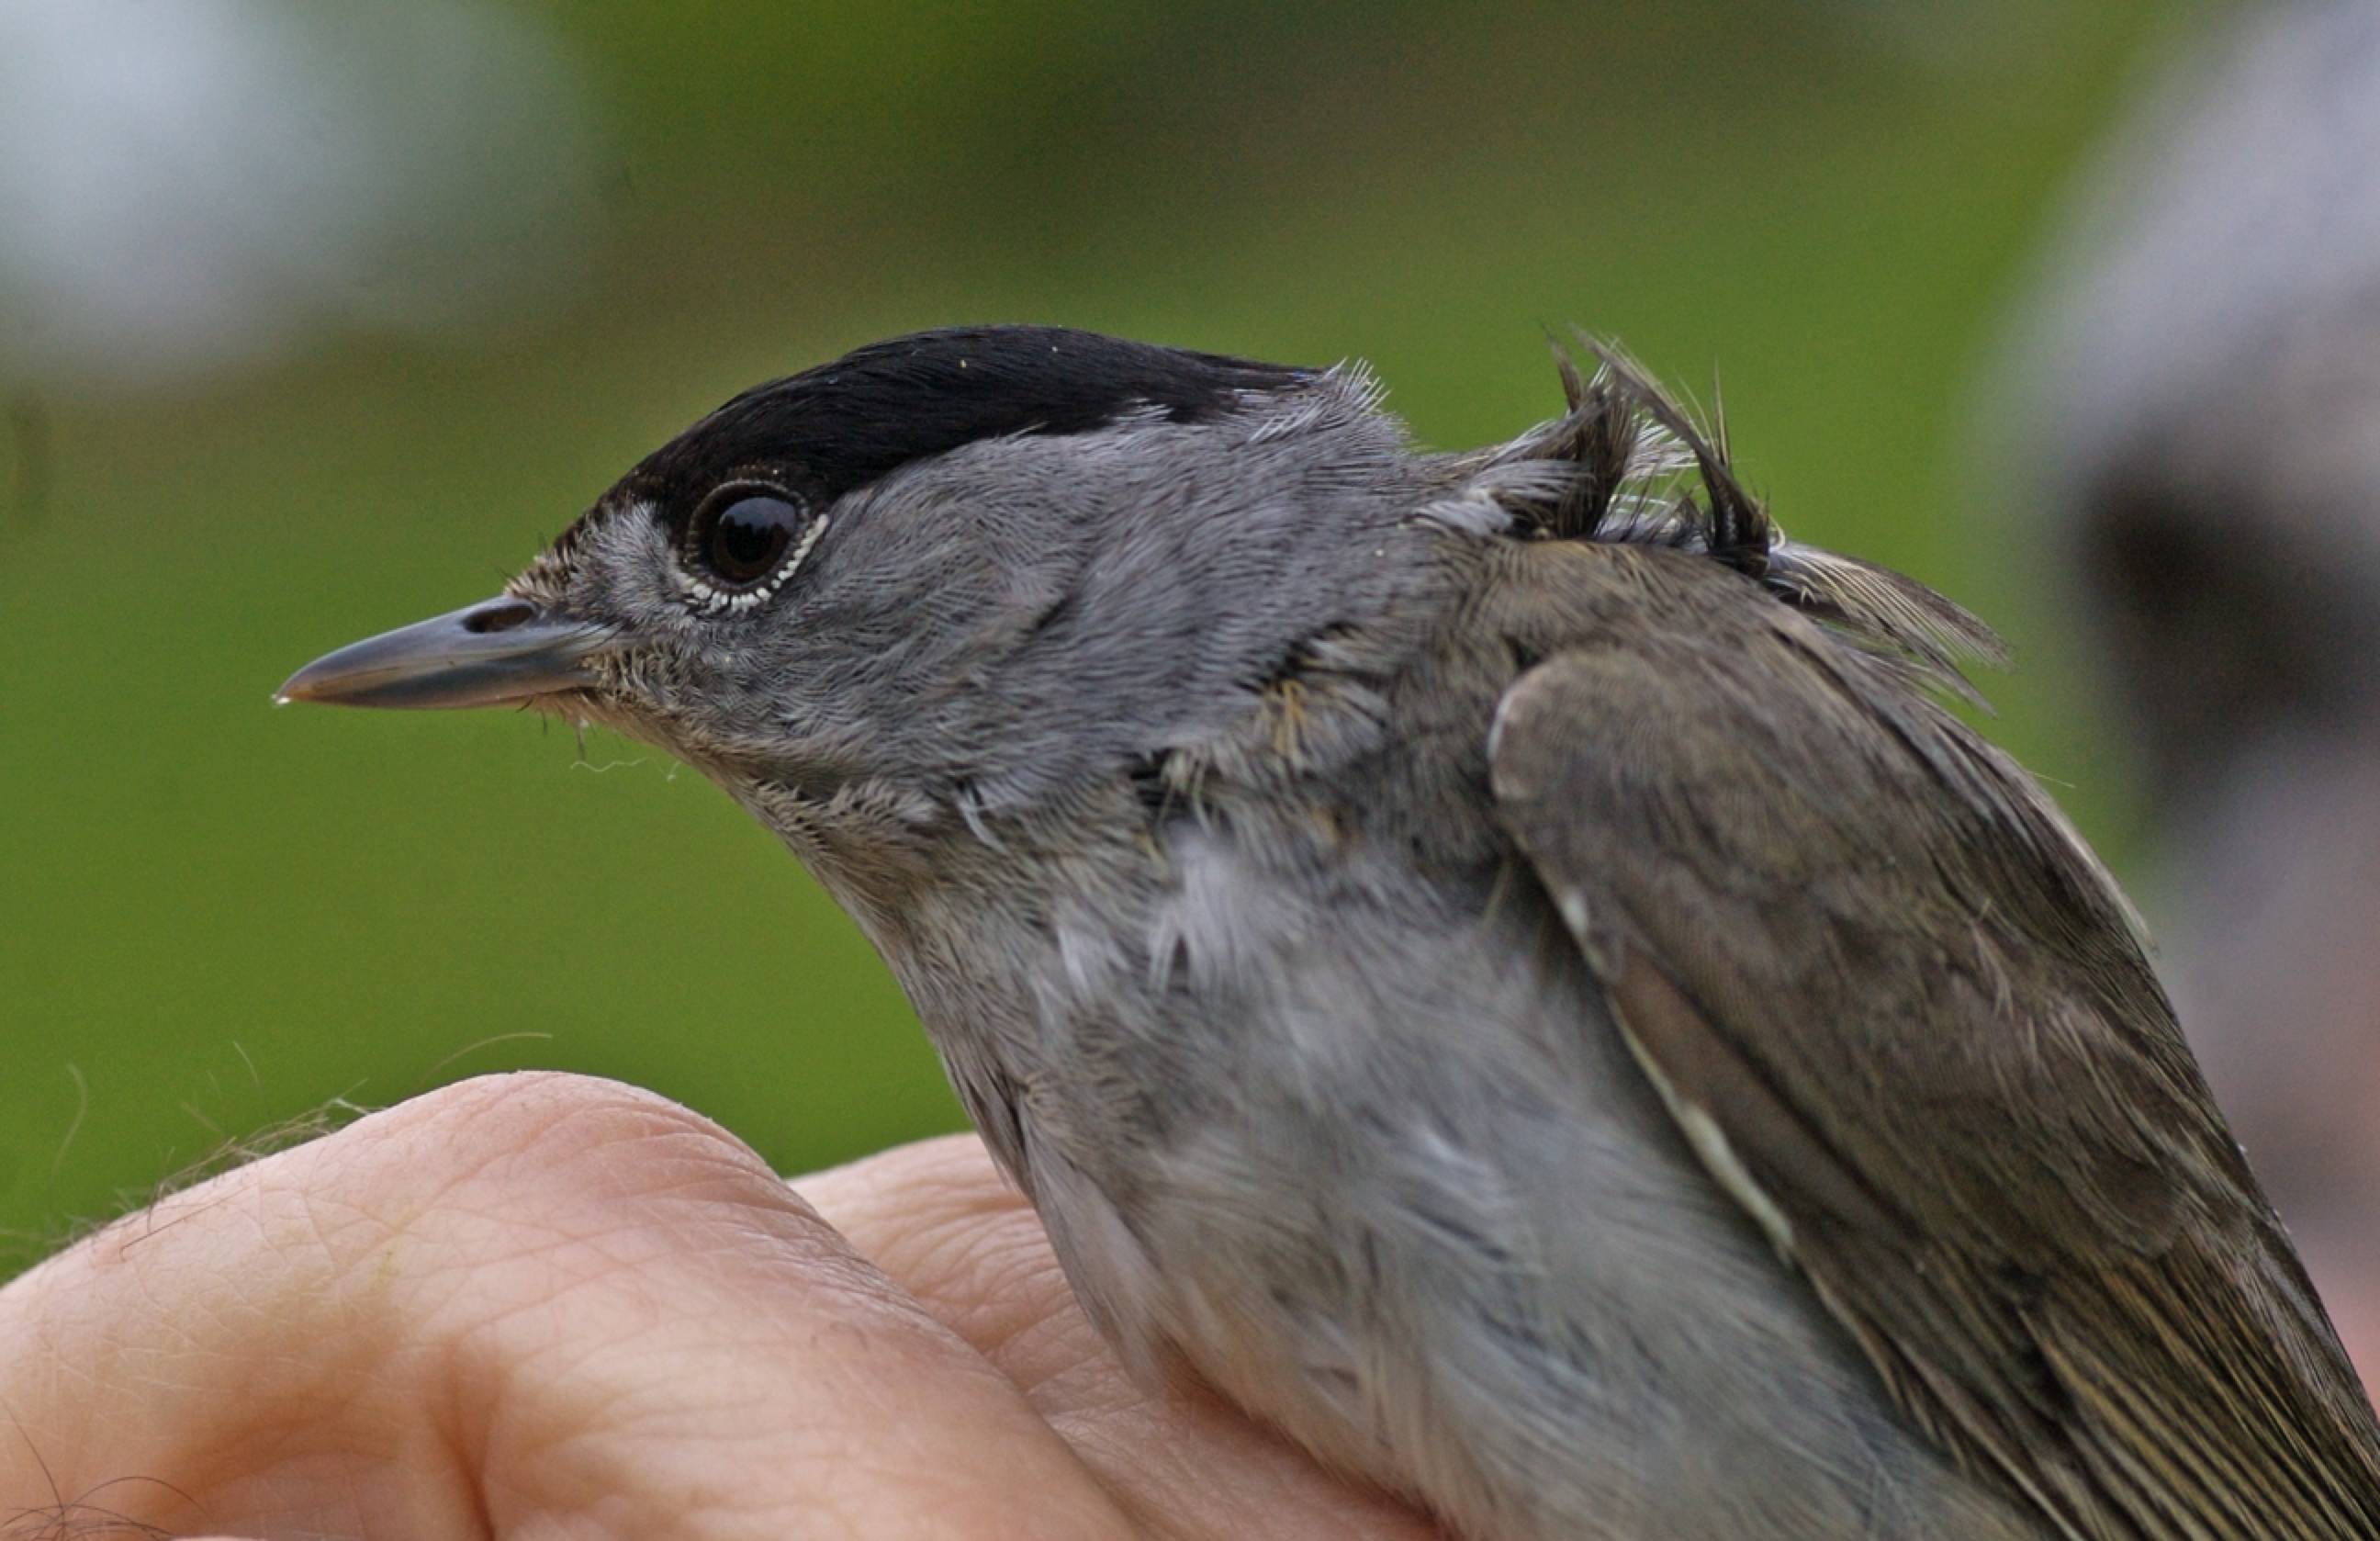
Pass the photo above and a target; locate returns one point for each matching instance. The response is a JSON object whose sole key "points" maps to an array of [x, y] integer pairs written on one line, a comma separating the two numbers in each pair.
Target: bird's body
{"points": [[1516, 1295], [1498, 969], [1283, 993]]}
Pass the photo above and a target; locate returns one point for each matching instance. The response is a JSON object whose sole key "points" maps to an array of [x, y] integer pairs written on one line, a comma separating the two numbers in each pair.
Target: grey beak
{"points": [[498, 652]]}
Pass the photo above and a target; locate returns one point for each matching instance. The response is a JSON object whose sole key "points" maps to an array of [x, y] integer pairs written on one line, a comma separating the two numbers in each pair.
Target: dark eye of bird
{"points": [[739, 541]]}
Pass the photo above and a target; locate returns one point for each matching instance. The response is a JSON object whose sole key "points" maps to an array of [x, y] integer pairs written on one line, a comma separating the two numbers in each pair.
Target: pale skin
{"points": [[548, 1307]]}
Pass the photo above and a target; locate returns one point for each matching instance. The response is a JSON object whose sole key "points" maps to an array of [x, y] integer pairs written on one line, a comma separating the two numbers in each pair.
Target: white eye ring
{"points": [[715, 599]]}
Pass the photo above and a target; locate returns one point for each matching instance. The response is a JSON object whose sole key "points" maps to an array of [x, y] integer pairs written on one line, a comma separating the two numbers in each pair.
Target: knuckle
{"points": [[489, 1172], [534, 1131]]}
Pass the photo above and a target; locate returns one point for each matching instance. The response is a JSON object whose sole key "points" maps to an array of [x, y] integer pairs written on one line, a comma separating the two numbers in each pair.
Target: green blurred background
{"points": [[450, 275]]}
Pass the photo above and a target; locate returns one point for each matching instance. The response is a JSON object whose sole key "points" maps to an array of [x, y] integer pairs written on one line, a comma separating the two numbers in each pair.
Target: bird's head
{"points": [[945, 578]]}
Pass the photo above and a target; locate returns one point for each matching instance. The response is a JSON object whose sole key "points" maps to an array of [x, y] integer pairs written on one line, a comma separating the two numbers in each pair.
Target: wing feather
{"points": [[1904, 1016]]}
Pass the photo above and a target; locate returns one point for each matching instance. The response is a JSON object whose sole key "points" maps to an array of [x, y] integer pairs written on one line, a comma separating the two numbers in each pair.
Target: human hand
{"points": [[546, 1307]]}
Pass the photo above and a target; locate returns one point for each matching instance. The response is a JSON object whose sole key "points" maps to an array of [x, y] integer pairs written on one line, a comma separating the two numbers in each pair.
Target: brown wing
{"points": [[1902, 1015]]}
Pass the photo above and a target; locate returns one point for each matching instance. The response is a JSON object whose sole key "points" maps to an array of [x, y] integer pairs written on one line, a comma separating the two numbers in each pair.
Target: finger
{"points": [[951, 1231], [528, 1304]]}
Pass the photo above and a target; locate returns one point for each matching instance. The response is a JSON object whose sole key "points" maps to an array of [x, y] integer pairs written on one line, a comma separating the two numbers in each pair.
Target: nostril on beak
{"points": [[499, 615]]}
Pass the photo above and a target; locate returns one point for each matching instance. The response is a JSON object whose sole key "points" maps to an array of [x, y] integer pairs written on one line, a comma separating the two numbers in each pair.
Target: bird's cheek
{"points": [[619, 697]]}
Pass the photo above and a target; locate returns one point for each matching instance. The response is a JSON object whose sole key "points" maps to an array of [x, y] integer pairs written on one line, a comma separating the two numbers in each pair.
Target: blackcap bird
{"points": [[1497, 961]]}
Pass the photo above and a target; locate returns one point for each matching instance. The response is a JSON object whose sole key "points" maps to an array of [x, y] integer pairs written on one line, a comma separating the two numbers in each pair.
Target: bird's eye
{"points": [[739, 541]]}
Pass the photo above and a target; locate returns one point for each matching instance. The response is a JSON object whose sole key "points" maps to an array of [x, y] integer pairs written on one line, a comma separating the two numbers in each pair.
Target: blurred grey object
{"points": [[186, 187], [2198, 395]]}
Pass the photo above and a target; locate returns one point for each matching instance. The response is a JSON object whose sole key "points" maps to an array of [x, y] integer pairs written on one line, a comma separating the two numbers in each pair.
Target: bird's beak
{"points": [[499, 652]]}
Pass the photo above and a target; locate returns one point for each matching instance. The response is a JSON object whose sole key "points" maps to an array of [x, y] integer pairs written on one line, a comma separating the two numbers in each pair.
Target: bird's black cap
{"points": [[843, 425]]}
